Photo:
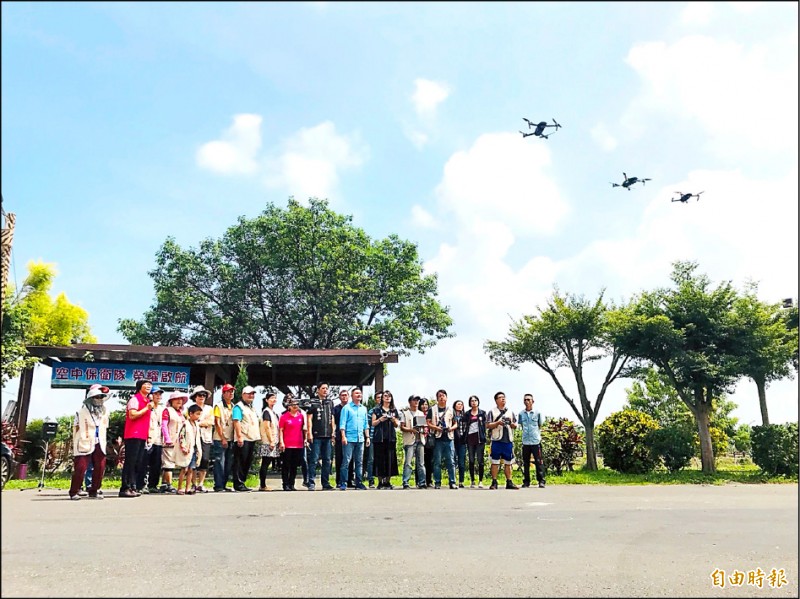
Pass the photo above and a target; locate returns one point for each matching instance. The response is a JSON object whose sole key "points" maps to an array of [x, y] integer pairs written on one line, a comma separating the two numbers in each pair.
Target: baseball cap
{"points": [[248, 389], [228, 387], [156, 389]]}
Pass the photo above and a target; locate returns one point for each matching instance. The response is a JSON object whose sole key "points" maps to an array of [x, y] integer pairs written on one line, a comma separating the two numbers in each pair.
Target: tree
{"points": [[766, 343], [688, 332], [571, 332], [301, 277], [32, 317]]}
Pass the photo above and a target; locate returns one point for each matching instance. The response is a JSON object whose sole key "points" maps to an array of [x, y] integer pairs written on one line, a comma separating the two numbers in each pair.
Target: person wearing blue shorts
{"points": [[501, 422]]}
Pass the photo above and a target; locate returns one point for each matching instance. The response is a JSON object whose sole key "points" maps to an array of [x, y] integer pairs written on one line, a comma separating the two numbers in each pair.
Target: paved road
{"points": [[563, 541]]}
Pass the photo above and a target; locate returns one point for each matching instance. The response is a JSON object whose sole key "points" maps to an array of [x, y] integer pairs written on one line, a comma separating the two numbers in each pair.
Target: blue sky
{"points": [[125, 123]]}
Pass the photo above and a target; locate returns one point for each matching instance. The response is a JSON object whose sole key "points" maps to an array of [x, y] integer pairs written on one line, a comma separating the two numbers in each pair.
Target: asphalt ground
{"points": [[562, 541]]}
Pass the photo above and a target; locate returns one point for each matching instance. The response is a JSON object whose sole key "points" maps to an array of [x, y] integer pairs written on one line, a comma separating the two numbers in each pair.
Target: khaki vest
{"points": [[226, 422], [83, 439], [250, 423], [155, 437], [448, 420]]}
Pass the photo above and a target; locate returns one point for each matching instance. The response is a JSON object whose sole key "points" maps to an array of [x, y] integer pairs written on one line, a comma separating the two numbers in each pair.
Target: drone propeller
{"points": [[557, 126], [698, 195], [527, 121]]}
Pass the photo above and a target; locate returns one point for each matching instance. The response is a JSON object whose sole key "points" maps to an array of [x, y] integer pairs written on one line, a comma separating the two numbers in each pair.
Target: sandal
{"points": [[180, 492], [190, 492]]}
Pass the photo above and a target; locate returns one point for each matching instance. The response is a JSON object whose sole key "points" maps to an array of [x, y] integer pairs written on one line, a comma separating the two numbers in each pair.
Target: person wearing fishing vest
{"points": [[530, 421], [89, 442], [440, 421], [501, 422], [222, 440], [172, 421], [246, 431]]}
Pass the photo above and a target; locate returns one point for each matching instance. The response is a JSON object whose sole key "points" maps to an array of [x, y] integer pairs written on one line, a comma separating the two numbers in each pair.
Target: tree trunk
{"points": [[706, 449], [762, 399], [591, 452]]}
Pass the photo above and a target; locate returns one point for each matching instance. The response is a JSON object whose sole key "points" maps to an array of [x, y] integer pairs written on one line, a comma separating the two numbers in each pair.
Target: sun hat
{"points": [[96, 390], [198, 391], [178, 395]]}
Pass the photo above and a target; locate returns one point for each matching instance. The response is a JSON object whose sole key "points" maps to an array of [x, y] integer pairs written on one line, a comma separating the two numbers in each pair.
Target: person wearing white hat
{"points": [[89, 442], [171, 422]]}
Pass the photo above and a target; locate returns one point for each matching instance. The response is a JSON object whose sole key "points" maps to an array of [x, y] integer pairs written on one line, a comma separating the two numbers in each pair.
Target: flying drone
{"points": [[685, 197], [629, 181], [538, 128]]}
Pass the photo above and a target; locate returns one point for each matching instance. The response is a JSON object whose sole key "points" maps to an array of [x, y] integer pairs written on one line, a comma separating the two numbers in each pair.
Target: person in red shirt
{"points": [[291, 429], [137, 427]]}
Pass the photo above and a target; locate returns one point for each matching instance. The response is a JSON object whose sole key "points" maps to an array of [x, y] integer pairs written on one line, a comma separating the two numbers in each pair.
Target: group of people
{"points": [[161, 438]]}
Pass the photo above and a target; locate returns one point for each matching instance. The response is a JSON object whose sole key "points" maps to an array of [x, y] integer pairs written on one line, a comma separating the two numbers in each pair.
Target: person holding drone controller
{"points": [[89, 442]]}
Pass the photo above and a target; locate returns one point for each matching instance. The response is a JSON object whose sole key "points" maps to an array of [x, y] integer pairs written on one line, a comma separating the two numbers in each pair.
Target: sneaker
{"points": [[372, 484], [99, 491], [406, 486], [74, 497], [242, 489], [460, 485], [493, 486], [343, 487], [437, 486], [95, 496], [228, 490], [153, 490], [422, 486], [145, 491], [218, 490], [360, 487], [305, 483], [541, 485], [525, 485], [329, 488], [511, 485], [472, 486], [454, 486], [82, 493], [480, 485], [311, 487]]}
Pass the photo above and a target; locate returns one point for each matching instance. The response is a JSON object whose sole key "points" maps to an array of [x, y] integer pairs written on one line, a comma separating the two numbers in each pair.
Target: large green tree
{"points": [[690, 333], [32, 317], [570, 332], [766, 345], [301, 277]]}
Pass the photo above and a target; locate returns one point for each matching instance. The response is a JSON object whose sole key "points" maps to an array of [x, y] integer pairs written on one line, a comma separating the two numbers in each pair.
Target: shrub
{"points": [[623, 440], [741, 439], [561, 444], [672, 445], [775, 448]]}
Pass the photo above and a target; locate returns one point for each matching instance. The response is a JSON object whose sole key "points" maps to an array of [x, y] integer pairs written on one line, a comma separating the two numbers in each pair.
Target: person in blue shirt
{"points": [[354, 433], [530, 421]]}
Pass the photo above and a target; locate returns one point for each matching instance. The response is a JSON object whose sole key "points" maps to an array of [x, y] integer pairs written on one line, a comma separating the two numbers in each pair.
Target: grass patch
{"points": [[729, 470]]}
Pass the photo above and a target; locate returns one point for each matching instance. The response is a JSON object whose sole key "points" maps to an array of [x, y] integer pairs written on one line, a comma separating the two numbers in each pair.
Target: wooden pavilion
{"points": [[212, 367]]}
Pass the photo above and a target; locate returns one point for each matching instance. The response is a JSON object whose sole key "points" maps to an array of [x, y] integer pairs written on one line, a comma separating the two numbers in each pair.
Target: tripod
{"points": [[41, 484]]}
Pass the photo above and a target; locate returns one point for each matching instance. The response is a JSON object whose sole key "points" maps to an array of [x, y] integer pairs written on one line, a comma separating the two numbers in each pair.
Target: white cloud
{"points": [[428, 95], [745, 7], [503, 178], [235, 153], [744, 97], [697, 13], [418, 138], [602, 136], [422, 218], [311, 160]]}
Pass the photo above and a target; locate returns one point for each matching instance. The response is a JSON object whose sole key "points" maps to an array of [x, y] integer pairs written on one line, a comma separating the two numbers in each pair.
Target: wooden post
{"points": [[379, 378], [211, 377], [24, 400]]}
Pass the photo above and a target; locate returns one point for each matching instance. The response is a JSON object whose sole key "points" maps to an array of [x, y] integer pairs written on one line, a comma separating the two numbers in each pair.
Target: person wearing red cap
{"points": [[89, 442], [222, 441]]}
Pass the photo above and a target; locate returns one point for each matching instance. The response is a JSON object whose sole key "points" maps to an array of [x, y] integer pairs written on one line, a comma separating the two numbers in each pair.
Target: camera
{"points": [[506, 420], [309, 402]]}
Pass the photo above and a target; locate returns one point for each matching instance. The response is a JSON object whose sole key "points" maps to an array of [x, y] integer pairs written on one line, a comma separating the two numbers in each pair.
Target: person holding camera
{"points": [[440, 421], [501, 422], [369, 451], [385, 420], [412, 423], [89, 442], [320, 427]]}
